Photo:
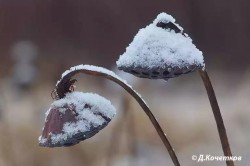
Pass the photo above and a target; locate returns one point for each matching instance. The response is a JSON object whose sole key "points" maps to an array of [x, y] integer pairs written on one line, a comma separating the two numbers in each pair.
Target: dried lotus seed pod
{"points": [[74, 118], [161, 51]]}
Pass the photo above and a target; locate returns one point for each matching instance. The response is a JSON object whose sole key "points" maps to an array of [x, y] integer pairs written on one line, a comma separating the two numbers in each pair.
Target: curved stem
{"points": [[217, 115], [64, 85]]}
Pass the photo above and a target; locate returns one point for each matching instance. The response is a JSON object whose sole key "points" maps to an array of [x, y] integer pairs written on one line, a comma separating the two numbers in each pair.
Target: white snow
{"points": [[91, 68], [70, 129], [55, 138], [163, 17], [42, 140], [86, 115], [79, 99], [156, 47]]}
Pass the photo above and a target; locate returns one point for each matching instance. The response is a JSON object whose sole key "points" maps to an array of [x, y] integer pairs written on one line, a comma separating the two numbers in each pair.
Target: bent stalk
{"points": [[217, 115], [64, 86]]}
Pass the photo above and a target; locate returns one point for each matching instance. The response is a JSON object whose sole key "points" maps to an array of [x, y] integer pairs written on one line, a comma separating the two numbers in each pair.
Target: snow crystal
{"points": [[163, 17], [69, 130], [155, 47], [55, 138], [79, 99], [42, 140]]}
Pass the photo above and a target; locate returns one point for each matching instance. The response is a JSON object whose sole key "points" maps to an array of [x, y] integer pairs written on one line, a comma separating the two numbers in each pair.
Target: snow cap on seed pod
{"points": [[74, 118], [161, 50]]}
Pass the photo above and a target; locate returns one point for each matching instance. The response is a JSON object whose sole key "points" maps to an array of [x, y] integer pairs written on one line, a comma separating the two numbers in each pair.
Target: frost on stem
{"points": [[74, 118], [161, 50]]}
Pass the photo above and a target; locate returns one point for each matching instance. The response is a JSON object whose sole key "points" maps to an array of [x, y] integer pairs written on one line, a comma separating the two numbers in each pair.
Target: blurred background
{"points": [[41, 39]]}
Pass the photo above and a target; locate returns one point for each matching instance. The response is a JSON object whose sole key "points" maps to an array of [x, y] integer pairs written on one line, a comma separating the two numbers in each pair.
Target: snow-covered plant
{"points": [[76, 116], [162, 50]]}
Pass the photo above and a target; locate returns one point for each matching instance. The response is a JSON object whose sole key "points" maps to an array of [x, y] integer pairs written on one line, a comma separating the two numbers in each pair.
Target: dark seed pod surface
{"points": [[161, 51], [159, 73], [76, 117]]}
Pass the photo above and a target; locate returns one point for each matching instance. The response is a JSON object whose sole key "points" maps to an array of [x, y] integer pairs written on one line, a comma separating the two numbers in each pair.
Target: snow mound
{"points": [[160, 49], [74, 118]]}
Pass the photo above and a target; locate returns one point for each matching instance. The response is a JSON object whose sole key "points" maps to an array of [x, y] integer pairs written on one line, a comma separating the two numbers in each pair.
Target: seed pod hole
{"points": [[145, 73], [134, 72], [166, 72], [177, 73], [155, 73]]}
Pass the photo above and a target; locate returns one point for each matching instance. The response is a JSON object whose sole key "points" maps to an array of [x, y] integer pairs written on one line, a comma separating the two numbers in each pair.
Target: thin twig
{"points": [[62, 89], [217, 115]]}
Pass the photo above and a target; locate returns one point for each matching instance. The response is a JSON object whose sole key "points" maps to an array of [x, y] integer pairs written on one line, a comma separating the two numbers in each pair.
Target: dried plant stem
{"points": [[217, 115], [62, 89]]}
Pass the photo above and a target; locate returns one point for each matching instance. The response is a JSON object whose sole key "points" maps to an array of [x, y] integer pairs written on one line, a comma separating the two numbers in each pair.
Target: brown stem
{"points": [[217, 115], [64, 86]]}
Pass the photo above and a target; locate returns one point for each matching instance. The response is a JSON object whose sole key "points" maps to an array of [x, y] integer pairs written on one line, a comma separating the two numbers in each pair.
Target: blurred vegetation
{"points": [[69, 33], [66, 33], [180, 105]]}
